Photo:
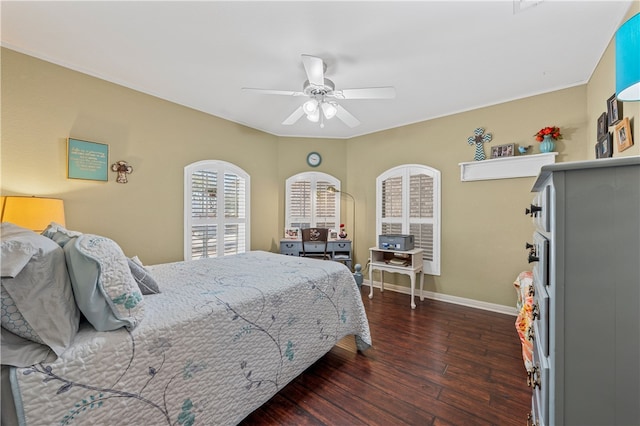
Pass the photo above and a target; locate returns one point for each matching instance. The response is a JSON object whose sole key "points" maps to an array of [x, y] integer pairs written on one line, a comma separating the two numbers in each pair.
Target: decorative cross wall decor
{"points": [[479, 139], [123, 169]]}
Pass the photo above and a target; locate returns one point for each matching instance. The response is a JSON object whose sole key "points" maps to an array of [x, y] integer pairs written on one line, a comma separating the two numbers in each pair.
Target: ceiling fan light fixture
{"points": [[314, 116], [310, 106], [321, 93], [329, 110]]}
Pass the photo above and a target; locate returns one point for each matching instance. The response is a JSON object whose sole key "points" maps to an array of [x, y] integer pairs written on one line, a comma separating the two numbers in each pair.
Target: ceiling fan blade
{"points": [[314, 68], [346, 117], [366, 93], [273, 92], [295, 116]]}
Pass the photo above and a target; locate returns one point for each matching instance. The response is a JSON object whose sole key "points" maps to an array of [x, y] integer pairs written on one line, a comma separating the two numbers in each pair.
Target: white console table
{"points": [[400, 262]]}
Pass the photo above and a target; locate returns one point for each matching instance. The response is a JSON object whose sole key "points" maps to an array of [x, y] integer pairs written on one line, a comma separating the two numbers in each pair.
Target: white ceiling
{"points": [[443, 57]]}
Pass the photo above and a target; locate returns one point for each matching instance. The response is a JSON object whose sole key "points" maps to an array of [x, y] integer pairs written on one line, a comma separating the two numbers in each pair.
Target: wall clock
{"points": [[314, 159]]}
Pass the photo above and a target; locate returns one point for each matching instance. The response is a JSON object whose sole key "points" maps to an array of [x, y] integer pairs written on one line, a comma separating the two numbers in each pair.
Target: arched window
{"points": [[309, 203], [408, 202], [216, 200]]}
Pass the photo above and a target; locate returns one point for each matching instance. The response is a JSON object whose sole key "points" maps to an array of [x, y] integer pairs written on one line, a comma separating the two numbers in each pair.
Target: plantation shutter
{"points": [[299, 215], [325, 206], [408, 202], [392, 205], [309, 203], [421, 205], [216, 204], [204, 206], [234, 213]]}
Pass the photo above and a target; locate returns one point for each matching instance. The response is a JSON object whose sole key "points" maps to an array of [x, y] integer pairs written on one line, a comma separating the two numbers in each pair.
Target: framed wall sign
{"points": [[87, 160]]}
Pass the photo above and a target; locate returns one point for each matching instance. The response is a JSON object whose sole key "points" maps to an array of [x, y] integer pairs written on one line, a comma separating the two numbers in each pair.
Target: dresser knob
{"points": [[532, 210]]}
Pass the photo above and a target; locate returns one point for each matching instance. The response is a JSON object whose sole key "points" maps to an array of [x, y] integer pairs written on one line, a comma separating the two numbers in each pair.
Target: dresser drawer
{"points": [[314, 247], [540, 385], [542, 217], [539, 256], [290, 248], [541, 316]]}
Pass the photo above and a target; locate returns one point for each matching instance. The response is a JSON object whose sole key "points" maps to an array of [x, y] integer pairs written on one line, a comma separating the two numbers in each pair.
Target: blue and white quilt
{"points": [[220, 340]]}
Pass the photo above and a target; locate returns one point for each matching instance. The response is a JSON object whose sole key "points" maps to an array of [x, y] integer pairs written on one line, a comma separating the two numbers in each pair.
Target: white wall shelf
{"points": [[505, 167]]}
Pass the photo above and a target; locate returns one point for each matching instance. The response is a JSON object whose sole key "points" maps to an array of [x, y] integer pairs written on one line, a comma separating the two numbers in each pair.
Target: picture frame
{"points": [[602, 126], [87, 160], [624, 138], [292, 234], [507, 150], [605, 146], [333, 234], [614, 110]]}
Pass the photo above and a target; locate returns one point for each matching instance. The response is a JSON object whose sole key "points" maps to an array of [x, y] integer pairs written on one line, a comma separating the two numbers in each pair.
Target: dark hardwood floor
{"points": [[440, 364]]}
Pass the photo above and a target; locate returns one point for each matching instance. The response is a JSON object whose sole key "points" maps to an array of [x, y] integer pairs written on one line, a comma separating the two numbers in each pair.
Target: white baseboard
{"points": [[493, 307]]}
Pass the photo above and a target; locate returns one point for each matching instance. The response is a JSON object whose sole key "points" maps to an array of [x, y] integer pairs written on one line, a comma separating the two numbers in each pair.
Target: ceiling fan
{"points": [[322, 95]]}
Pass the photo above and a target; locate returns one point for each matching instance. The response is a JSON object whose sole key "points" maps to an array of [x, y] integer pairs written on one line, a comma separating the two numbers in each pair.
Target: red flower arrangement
{"points": [[553, 131]]}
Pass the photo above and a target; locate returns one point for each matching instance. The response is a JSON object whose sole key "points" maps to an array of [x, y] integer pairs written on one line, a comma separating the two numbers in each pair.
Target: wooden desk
{"points": [[339, 250], [388, 261]]}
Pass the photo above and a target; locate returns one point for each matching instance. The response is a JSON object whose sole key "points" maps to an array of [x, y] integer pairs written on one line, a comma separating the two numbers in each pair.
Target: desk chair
{"points": [[314, 243]]}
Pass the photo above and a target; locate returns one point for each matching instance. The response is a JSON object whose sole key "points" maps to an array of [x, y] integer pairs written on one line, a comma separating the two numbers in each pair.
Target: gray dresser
{"points": [[586, 271]]}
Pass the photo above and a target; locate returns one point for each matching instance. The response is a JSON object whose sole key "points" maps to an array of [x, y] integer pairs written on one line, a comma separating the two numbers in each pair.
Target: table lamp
{"points": [[33, 213], [628, 60]]}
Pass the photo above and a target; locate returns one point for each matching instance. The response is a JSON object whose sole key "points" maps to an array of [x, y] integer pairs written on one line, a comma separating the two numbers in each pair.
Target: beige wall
{"points": [[484, 228], [483, 223], [43, 104]]}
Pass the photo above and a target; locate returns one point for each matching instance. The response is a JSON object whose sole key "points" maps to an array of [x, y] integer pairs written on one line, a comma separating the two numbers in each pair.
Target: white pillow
{"points": [[37, 302], [15, 256]]}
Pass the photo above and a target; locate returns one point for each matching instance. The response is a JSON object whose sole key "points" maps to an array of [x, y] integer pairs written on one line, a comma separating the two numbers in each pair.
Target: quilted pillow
{"points": [[105, 290], [36, 300]]}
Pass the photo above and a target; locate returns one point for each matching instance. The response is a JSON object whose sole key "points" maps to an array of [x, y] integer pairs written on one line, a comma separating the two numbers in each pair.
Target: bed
{"points": [[219, 339]]}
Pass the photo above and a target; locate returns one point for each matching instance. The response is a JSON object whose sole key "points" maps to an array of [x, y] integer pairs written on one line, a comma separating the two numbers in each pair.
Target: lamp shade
{"points": [[33, 213], [628, 60]]}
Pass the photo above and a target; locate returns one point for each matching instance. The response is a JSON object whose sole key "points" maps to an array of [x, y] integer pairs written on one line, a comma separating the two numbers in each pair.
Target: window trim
{"points": [[405, 171], [220, 167]]}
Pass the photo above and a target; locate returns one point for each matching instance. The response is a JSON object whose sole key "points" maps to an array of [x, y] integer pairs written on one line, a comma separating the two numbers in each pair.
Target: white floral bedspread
{"points": [[222, 338]]}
